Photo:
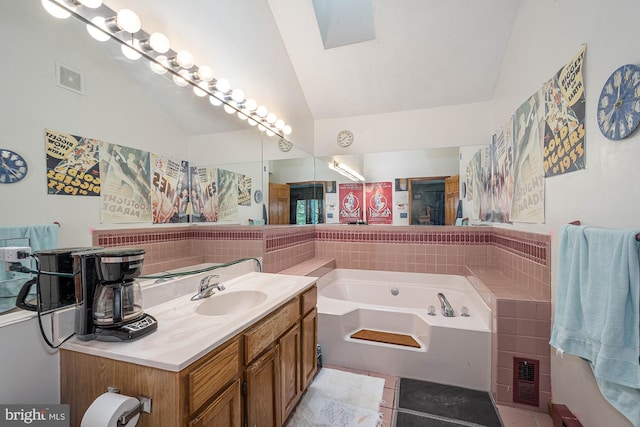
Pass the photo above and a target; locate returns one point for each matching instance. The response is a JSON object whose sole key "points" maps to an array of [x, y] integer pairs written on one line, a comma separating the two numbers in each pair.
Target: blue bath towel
{"points": [[38, 237], [597, 310]]}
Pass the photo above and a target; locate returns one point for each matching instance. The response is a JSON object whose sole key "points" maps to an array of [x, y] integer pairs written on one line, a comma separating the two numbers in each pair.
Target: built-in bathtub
{"points": [[452, 350]]}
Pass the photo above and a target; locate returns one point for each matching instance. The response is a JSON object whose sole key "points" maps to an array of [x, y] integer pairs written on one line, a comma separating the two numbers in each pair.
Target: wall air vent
{"points": [[526, 386], [70, 79]]}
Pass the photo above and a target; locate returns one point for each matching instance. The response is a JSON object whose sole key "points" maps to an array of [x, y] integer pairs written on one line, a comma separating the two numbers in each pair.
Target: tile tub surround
{"points": [[171, 247], [507, 267]]}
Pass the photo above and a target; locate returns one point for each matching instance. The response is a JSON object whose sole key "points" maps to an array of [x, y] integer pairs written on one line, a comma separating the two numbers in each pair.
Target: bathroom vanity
{"points": [[210, 362]]}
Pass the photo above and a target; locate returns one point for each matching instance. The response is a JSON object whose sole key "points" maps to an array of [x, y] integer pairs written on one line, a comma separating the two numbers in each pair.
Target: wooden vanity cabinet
{"points": [[255, 379]]}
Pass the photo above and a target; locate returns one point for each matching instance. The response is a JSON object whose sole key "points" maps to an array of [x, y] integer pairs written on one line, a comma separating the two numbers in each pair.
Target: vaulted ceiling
{"points": [[339, 58]]}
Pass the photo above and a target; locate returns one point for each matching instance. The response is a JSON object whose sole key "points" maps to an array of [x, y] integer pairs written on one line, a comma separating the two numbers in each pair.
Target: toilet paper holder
{"points": [[143, 406]]}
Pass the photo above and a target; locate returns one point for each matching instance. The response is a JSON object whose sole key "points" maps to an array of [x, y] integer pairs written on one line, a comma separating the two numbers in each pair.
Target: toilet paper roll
{"points": [[107, 408]]}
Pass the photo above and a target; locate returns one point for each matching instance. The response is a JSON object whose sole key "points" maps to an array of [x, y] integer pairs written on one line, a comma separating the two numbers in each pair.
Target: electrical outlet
{"points": [[14, 253]]}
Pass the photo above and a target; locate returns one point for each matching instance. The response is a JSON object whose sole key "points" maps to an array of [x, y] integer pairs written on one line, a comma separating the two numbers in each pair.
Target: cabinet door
{"points": [[290, 385], [263, 397], [451, 195], [309, 364], [222, 412]]}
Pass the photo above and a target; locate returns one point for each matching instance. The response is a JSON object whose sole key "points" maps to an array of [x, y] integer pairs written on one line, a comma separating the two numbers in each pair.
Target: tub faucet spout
{"points": [[447, 310]]}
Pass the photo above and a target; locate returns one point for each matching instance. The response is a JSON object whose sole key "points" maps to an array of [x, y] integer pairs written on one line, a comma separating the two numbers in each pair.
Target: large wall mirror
{"points": [[127, 105]]}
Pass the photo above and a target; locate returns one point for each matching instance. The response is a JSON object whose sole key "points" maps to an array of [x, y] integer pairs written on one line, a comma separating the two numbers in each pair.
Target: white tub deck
{"points": [[453, 350]]}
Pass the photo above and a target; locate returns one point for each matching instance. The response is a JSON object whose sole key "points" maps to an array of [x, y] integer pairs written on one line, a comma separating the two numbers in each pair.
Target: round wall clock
{"points": [[257, 196], [284, 145], [12, 167], [619, 103], [345, 138]]}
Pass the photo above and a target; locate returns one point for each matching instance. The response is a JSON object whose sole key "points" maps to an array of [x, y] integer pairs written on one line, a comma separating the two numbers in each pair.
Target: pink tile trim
{"points": [[275, 243]]}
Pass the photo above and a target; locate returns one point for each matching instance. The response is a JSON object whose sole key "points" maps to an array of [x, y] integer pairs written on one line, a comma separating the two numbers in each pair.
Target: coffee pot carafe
{"points": [[109, 297]]}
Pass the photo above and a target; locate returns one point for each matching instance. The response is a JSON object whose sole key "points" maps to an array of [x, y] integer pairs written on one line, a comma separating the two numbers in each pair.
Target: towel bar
{"points": [[578, 223]]}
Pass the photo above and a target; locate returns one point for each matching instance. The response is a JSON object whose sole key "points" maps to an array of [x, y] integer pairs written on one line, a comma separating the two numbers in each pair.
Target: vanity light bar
{"points": [[155, 47]]}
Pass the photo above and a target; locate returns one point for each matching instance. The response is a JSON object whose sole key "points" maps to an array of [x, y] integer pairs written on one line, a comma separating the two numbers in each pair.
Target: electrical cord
{"points": [[202, 270], [39, 296]]}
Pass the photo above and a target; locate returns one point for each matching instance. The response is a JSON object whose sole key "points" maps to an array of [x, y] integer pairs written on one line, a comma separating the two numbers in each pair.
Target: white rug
{"points": [[340, 399]]}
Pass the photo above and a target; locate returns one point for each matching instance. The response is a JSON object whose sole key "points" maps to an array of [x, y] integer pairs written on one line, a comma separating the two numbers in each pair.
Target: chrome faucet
{"points": [[206, 288], [447, 310]]}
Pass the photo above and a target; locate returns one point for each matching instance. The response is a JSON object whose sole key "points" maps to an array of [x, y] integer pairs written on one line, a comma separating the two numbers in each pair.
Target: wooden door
{"points": [[451, 197], [223, 412], [290, 385], [278, 203], [263, 391], [309, 363]]}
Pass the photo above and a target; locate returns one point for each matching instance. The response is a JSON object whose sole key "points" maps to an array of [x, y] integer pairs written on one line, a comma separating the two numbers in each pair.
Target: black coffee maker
{"points": [[55, 280], [109, 297]]}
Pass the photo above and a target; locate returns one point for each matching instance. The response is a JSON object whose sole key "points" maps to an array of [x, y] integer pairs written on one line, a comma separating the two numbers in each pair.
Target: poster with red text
{"points": [[564, 133], [379, 207], [73, 164], [350, 196]]}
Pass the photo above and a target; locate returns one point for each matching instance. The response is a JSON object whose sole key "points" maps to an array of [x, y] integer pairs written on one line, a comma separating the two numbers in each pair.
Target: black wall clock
{"points": [[13, 167], [619, 103]]}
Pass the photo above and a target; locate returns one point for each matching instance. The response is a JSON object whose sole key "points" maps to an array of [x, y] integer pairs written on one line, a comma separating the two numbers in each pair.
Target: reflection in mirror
{"points": [[293, 196], [417, 178]]}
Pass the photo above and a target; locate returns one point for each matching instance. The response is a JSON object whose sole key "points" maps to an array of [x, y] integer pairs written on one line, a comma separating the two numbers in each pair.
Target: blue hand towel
{"points": [[597, 310], [38, 237]]}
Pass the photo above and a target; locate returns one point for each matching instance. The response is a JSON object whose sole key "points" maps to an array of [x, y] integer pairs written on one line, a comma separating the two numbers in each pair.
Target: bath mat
{"points": [[449, 402], [386, 337], [339, 399], [408, 419]]}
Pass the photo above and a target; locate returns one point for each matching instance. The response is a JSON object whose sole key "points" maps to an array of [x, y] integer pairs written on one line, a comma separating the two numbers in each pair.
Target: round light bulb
{"points": [[287, 130], [201, 89], [252, 121], [216, 99], [237, 95], [223, 85], [279, 124], [205, 73], [181, 79], [261, 111], [130, 52], [128, 21], [159, 68], [159, 42], [228, 108], [270, 132], [261, 128], [101, 36], [184, 59], [271, 118], [93, 4], [55, 10], [251, 104], [243, 114]]}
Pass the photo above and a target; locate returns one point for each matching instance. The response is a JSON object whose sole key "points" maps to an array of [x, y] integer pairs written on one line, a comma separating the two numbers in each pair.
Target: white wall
{"points": [[546, 34], [451, 126]]}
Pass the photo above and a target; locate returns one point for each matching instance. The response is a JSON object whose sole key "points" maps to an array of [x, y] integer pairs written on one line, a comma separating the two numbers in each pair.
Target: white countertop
{"points": [[183, 336]]}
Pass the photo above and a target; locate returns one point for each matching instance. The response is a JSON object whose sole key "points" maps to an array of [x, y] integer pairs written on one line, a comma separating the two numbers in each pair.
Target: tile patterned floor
{"points": [[511, 417]]}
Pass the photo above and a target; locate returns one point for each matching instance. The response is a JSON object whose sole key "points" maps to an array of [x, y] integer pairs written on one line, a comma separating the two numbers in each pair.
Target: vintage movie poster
{"points": [[204, 194], [125, 190], [73, 164], [528, 194], [227, 196], [244, 189], [502, 173], [170, 194], [564, 131], [350, 196], [378, 196]]}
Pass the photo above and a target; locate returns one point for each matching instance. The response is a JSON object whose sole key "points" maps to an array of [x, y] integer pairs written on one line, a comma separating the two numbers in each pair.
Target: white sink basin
{"points": [[230, 302]]}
